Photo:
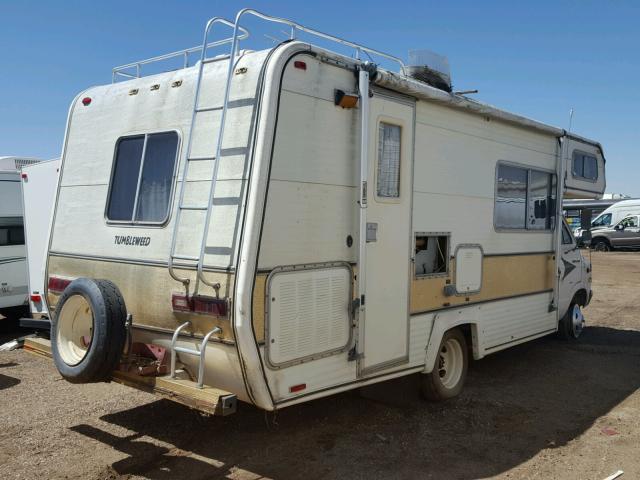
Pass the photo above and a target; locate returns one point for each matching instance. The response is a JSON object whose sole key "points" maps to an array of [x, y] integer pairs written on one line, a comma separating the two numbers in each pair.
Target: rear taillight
{"points": [[199, 304], [57, 284]]}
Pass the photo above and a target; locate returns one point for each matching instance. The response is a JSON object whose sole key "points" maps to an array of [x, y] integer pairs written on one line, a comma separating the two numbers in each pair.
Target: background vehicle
{"points": [[624, 234], [609, 217], [39, 182]]}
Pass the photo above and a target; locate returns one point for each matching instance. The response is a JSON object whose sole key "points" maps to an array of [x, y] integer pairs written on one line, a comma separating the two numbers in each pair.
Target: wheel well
{"points": [[580, 297], [600, 239], [468, 336]]}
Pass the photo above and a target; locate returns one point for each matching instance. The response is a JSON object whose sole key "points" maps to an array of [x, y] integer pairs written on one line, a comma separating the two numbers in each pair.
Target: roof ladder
{"points": [[197, 109]]}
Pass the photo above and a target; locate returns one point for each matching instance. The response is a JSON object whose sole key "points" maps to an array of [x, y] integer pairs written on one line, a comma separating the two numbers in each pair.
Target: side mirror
{"points": [[619, 227]]}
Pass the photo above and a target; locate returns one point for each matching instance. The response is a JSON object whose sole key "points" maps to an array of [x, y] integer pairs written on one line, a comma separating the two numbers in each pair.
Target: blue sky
{"points": [[538, 59]]}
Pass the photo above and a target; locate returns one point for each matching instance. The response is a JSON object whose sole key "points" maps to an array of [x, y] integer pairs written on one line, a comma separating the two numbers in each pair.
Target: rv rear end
{"points": [[13, 266]]}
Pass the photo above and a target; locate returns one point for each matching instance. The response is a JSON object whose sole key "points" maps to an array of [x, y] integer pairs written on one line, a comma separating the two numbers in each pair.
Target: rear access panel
{"points": [[307, 313]]}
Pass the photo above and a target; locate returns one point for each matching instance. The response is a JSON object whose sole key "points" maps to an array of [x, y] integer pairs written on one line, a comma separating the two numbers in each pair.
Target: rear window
{"points": [[142, 178]]}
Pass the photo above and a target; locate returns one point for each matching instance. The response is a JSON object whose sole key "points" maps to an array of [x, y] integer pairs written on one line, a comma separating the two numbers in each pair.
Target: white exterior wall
{"points": [[114, 113]]}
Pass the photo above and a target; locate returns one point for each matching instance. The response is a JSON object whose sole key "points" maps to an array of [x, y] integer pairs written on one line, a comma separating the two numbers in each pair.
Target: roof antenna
{"points": [[570, 119]]}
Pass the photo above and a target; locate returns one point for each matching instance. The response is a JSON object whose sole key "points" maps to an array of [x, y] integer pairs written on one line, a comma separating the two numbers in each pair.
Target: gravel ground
{"points": [[543, 410]]}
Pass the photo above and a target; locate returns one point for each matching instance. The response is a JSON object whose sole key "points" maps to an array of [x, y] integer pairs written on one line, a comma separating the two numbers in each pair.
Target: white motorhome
{"points": [[13, 265], [280, 225]]}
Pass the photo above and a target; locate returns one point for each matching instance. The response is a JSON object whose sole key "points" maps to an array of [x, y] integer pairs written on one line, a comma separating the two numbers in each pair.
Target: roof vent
{"points": [[431, 68]]}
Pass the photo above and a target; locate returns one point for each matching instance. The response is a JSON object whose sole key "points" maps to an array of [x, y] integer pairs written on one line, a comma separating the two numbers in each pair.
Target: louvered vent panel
{"points": [[308, 313]]}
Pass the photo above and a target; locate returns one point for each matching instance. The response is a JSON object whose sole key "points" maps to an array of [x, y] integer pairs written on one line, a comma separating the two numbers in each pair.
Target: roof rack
{"points": [[134, 70]]}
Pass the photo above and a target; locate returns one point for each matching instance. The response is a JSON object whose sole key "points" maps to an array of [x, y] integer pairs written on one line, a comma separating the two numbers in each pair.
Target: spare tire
{"points": [[88, 331]]}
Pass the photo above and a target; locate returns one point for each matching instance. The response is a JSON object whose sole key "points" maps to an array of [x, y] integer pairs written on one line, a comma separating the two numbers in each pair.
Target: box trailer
{"points": [[280, 225]]}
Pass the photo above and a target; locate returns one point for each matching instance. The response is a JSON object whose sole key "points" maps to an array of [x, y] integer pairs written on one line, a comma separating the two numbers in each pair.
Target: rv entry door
{"points": [[385, 330]]}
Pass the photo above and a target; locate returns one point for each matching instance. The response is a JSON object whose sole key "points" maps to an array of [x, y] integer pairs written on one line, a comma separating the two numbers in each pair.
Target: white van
{"points": [[615, 213]]}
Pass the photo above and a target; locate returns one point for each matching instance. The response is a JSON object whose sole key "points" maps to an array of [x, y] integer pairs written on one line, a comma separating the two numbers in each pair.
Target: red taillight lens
{"points": [[199, 304], [180, 303], [297, 388], [24, 176], [36, 298], [57, 284], [300, 65], [86, 101]]}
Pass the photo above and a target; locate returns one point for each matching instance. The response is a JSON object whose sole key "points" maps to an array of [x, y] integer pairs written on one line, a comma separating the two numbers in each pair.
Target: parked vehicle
{"points": [[13, 271], [281, 225], [13, 268], [39, 182], [611, 216], [624, 234]]}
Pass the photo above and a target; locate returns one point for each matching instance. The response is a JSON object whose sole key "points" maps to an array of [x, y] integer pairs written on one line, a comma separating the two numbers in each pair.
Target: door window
{"points": [[388, 181]]}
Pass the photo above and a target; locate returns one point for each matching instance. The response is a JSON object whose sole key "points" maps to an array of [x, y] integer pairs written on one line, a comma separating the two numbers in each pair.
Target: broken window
{"points": [[431, 254]]}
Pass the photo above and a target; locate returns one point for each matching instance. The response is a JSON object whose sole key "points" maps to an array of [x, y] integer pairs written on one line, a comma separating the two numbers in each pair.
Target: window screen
{"points": [[525, 198], [142, 178], [585, 166], [388, 160]]}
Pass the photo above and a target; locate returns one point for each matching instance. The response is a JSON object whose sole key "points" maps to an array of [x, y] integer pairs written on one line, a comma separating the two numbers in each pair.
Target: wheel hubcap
{"points": [[74, 330], [450, 363], [577, 320]]}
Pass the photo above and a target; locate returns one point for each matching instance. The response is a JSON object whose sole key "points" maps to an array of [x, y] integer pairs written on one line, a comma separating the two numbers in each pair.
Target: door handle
{"points": [[576, 261]]}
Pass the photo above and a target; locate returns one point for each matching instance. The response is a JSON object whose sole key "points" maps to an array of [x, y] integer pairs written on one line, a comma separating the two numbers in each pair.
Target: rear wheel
{"points": [[601, 245], [450, 371], [572, 324]]}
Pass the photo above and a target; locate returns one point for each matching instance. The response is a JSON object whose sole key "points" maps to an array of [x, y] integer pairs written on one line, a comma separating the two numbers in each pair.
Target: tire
{"points": [[571, 324], [444, 383], [88, 331], [601, 245]]}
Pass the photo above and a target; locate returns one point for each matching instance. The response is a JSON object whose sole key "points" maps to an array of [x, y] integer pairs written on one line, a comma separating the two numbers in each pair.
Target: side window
{"points": [[585, 166], [511, 197], [142, 178], [629, 222], [602, 221], [11, 231], [525, 198], [388, 181]]}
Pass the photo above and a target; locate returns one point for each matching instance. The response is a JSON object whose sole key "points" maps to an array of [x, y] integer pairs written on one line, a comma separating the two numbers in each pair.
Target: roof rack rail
{"points": [[133, 70]]}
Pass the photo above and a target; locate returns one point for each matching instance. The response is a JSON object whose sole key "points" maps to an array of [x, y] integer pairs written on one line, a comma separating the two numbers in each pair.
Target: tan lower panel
{"points": [[502, 276], [258, 305], [147, 291]]}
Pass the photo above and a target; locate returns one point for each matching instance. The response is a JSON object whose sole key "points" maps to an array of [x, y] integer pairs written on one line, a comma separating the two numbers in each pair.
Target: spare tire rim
{"points": [[74, 329], [451, 363], [577, 321]]}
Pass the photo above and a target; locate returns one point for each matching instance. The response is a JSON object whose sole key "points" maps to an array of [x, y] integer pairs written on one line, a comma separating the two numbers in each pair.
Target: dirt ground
{"points": [[543, 410]]}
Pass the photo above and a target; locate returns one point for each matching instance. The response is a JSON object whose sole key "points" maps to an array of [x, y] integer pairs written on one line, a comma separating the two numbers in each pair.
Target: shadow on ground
{"points": [[536, 396]]}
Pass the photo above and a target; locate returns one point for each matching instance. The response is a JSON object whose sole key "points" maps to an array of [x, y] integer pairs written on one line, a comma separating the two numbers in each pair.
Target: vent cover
{"points": [[431, 68], [308, 314]]}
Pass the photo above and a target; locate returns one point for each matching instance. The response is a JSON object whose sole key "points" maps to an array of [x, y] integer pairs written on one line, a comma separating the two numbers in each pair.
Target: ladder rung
{"points": [[208, 109], [200, 159], [188, 351], [215, 59], [193, 207], [185, 257]]}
